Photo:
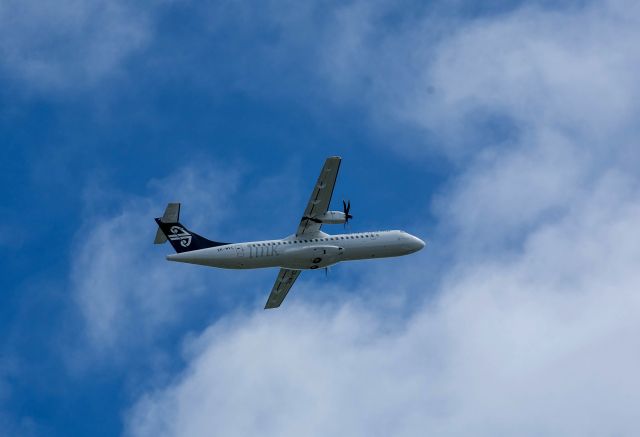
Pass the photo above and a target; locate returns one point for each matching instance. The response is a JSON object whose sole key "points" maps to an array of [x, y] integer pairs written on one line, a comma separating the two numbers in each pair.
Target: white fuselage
{"points": [[304, 252]]}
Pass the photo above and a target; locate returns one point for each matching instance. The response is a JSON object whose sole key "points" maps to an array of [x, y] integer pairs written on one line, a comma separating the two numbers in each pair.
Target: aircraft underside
{"points": [[308, 249], [247, 256]]}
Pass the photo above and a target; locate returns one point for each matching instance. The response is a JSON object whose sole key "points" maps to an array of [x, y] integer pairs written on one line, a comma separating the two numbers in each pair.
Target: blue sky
{"points": [[503, 134]]}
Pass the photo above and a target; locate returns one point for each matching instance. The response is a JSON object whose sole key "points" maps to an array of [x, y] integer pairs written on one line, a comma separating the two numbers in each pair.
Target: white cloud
{"points": [[128, 296], [506, 192], [121, 282], [533, 329], [558, 69], [68, 44], [542, 343], [527, 69]]}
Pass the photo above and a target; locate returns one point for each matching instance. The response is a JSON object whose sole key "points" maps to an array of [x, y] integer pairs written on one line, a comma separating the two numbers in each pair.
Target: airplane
{"points": [[308, 249]]}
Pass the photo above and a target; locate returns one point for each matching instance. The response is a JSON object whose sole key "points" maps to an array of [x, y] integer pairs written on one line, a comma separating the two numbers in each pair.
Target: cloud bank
{"points": [[536, 344], [532, 329]]}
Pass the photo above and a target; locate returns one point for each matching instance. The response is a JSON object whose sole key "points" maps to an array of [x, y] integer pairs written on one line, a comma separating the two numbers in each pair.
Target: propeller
{"points": [[346, 207]]}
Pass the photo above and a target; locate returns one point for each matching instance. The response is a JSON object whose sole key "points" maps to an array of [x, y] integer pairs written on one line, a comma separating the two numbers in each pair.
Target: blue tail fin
{"points": [[182, 239]]}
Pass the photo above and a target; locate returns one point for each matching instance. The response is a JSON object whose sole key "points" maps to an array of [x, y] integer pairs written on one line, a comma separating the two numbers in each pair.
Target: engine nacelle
{"points": [[330, 218]]}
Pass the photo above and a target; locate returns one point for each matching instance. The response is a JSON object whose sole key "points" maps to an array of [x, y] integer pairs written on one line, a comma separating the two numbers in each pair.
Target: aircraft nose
{"points": [[414, 244], [417, 243]]}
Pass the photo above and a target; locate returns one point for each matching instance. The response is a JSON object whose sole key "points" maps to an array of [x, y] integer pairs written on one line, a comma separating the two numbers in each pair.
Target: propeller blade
{"points": [[346, 207]]}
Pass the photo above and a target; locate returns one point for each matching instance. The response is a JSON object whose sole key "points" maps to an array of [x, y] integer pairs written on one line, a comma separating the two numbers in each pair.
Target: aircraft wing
{"points": [[320, 197], [284, 282]]}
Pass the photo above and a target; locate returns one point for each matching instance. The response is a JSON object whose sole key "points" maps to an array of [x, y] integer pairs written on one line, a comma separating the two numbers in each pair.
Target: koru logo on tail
{"points": [[179, 233]]}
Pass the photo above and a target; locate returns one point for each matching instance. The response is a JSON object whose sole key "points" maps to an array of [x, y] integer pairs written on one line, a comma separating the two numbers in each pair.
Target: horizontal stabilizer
{"points": [[171, 215]]}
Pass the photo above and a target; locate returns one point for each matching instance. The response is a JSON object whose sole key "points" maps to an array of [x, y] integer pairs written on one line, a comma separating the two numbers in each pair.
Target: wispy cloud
{"points": [[500, 75], [63, 45], [120, 284], [120, 280]]}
